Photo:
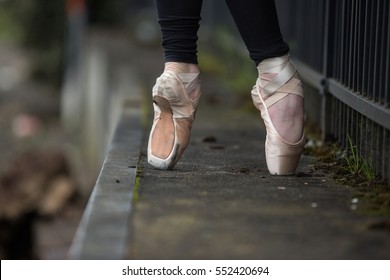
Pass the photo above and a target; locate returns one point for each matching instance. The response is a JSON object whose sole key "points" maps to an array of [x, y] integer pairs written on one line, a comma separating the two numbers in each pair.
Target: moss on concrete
{"points": [[373, 194]]}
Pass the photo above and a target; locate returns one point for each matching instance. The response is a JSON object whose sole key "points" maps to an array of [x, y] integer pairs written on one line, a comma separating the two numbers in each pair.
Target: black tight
{"points": [[256, 21]]}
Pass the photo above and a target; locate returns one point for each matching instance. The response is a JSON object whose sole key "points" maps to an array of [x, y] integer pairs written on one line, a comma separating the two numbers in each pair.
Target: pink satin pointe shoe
{"points": [[175, 99], [277, 79]]}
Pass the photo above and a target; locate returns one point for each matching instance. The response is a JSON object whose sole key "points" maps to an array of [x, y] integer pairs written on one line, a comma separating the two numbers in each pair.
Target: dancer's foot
{"points": [[278, 95], [175, 97]]}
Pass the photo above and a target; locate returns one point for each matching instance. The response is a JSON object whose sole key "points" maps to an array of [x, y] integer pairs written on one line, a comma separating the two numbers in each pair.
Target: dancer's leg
{"points": [[278, 91], [177, 91], [258, 25], [179, 23]]}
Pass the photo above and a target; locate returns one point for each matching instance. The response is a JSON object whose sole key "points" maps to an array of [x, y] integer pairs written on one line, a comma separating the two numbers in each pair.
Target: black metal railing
{"points": [[342, 50]]}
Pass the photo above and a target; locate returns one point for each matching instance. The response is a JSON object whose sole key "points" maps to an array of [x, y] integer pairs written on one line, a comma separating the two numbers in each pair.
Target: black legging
{"points": [[256, 21]]}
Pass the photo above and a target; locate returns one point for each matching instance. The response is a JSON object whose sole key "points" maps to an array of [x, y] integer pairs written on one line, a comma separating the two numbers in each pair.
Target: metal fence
{"points": [[342, 49]]}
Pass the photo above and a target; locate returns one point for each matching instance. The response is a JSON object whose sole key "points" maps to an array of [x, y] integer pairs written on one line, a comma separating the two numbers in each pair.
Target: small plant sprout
{"points": [[357, 165]]}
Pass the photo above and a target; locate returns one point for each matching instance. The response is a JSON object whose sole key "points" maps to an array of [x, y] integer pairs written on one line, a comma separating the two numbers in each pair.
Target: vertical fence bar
{"points": [[355, 44], [360, 43], [386, 159], [349, 50], [367, 45], [365, 50], [382, 53], [327, 65], [342, 39], [370, 91], [376, 73], [339, 121], [374, 157], [336, 42], [377, 160], [383, 152], [387, 71]]}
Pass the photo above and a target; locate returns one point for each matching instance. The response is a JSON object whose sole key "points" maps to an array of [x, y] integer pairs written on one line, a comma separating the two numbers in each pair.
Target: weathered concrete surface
{"points": [[220, 202]]}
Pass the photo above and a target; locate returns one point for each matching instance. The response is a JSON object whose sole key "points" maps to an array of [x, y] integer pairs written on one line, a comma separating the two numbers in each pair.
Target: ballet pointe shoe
{"points": [[277, 79], [175, 99]]}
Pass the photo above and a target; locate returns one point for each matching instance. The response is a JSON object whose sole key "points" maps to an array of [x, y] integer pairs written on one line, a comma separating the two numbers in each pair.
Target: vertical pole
{"points": [[327, 66]]}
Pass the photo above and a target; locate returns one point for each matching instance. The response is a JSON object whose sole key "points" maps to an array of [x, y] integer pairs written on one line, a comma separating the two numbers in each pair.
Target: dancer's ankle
{"points": [[181, 67]]}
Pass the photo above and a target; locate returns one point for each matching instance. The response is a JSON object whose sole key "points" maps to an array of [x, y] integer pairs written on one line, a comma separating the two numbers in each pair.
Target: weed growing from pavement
{"points": [[356, 164]]}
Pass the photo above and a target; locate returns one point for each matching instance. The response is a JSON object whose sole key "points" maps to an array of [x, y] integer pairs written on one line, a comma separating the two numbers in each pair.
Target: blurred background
{"points": [[45, 178]]}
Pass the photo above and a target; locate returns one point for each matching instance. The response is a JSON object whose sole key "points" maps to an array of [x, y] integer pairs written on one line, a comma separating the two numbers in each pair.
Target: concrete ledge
{"points": [[103, 230]]}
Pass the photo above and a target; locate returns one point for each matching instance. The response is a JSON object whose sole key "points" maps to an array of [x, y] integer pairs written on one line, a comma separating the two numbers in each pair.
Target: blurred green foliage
{"points": [[10, 31], [38, 26]]}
